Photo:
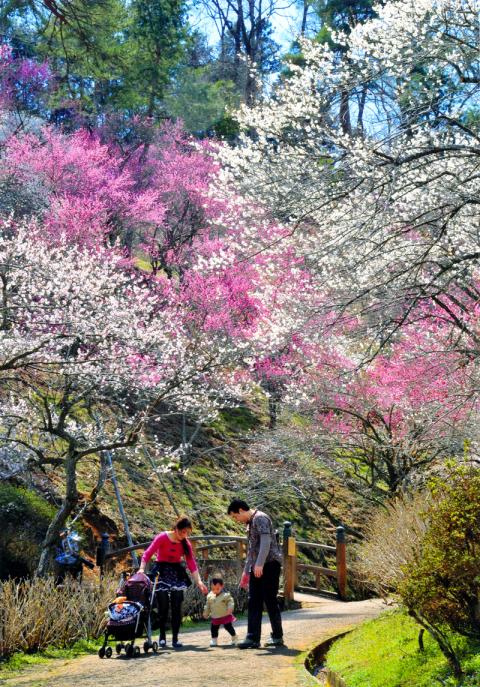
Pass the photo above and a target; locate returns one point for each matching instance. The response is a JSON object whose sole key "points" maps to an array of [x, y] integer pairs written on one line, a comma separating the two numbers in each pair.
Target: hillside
{"points": [[235, 454]]}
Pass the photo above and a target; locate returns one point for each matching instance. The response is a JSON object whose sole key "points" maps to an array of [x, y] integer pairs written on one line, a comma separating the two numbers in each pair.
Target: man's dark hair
{"points": [[237, 505]]}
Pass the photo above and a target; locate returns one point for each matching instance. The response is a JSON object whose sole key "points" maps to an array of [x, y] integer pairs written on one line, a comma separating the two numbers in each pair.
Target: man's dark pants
{"points": [[262, 590]]}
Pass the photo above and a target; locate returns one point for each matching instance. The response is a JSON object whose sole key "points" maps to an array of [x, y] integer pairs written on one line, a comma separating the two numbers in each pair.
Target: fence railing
{"points": [[237, 547], [293, 565]]}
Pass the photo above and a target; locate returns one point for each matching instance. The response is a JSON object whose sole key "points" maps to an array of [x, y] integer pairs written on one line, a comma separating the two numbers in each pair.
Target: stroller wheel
{"points": [[129, 650], [154, 647], [146, 647], [136, 652], [119, 648], [108, 652], [101, 652]]}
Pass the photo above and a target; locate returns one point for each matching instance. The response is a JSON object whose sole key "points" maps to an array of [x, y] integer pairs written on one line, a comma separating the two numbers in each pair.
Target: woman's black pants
{"points": [[164, 599]]}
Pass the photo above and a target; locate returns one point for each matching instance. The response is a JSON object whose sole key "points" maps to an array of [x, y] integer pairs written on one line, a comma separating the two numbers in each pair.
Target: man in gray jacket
{"points": [[261, 574]]}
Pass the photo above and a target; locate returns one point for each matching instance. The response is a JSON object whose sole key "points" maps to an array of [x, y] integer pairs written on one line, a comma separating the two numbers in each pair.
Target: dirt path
{"points": [[197, 665]]}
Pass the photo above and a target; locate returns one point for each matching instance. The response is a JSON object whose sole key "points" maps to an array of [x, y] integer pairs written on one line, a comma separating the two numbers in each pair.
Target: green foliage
{"points": [[443, 586], [341, 15], [226, 127], [198, 100], [90, 53], [158, 38], [25, 517], [385, 653], [110, 55]]}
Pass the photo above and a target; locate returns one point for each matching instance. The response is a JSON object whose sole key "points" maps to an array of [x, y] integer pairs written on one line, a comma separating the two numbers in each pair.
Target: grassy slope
{"points": [[203, 491], [200, 492], [385, 653]]}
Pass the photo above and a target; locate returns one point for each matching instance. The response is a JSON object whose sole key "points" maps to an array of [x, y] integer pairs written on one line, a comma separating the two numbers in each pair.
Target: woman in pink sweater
{"points": [[169, 548]]}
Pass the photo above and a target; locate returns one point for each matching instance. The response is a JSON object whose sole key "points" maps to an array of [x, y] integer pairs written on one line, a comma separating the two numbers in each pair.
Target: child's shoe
{"points": [[234, 640], [213, 642]]}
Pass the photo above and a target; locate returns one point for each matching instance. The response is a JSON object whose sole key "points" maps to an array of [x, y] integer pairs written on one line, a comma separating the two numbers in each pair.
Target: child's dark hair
{"points": [[216, 579], [184, 523], [236, 505]]}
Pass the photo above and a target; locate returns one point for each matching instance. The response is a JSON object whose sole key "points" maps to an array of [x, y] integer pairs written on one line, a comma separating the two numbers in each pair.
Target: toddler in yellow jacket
{"points": [[219, 608]]}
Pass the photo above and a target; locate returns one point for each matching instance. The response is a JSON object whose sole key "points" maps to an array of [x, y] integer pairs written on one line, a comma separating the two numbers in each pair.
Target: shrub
{"points": [[393, 539], [36, 614], [441, 587]]}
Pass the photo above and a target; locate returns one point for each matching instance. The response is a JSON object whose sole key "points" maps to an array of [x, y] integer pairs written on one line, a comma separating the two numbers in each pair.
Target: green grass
{"points": [[21, 661], [385, 653]]}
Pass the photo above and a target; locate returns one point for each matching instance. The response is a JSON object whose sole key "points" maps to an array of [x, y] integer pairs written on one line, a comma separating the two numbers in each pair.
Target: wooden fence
{"points": [[233, 550], [293, 566]]}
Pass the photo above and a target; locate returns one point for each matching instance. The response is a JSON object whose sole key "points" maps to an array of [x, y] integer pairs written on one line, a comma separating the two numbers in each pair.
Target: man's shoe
{"points": [[248, 644], [162, 643], [273, 642], [176, 644], [213, 642]]}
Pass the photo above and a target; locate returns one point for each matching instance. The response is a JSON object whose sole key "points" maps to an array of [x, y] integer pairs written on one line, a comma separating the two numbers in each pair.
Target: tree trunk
{"points": [[4, 325], [58, 523], [303, 28], [445, 647], [345, 120]]}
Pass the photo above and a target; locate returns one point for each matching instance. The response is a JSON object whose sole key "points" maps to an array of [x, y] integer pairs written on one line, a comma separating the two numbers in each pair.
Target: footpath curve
{"points": [[198, 665]]}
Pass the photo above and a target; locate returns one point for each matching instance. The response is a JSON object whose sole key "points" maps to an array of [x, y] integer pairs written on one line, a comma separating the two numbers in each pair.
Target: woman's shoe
{"points": [[233, 641], [213, 642]]}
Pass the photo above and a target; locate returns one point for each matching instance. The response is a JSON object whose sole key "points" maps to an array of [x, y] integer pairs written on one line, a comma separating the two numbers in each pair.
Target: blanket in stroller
{"points": [[124, 612]]}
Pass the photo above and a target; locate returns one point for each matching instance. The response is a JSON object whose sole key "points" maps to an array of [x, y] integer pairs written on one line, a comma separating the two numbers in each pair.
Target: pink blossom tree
{"points": [[79, 188], [23, 81], [383, 425]]}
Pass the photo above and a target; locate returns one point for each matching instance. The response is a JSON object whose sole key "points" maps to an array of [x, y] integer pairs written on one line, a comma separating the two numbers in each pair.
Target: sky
{"points": [[285, 24]]}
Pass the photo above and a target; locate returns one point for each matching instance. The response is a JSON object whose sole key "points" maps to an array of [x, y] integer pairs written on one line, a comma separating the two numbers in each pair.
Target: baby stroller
{"points": [[130, 618]]}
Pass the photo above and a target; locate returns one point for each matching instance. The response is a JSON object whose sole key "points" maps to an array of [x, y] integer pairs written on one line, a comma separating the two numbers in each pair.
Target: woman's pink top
{"points": [[168, 551]]}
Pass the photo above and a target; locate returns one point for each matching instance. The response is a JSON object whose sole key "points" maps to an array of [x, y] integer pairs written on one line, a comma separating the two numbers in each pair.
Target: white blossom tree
{"points": [[387, 216], [84, 337]]}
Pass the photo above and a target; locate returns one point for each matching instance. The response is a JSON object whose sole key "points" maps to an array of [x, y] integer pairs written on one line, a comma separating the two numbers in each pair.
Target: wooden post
{"points": [[239, 562], [102, 550], [341, 564], [289, 563]]}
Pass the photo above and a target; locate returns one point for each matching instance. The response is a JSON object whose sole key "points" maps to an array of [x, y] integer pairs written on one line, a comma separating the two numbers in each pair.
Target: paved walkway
{"points": [[198, 665]]}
